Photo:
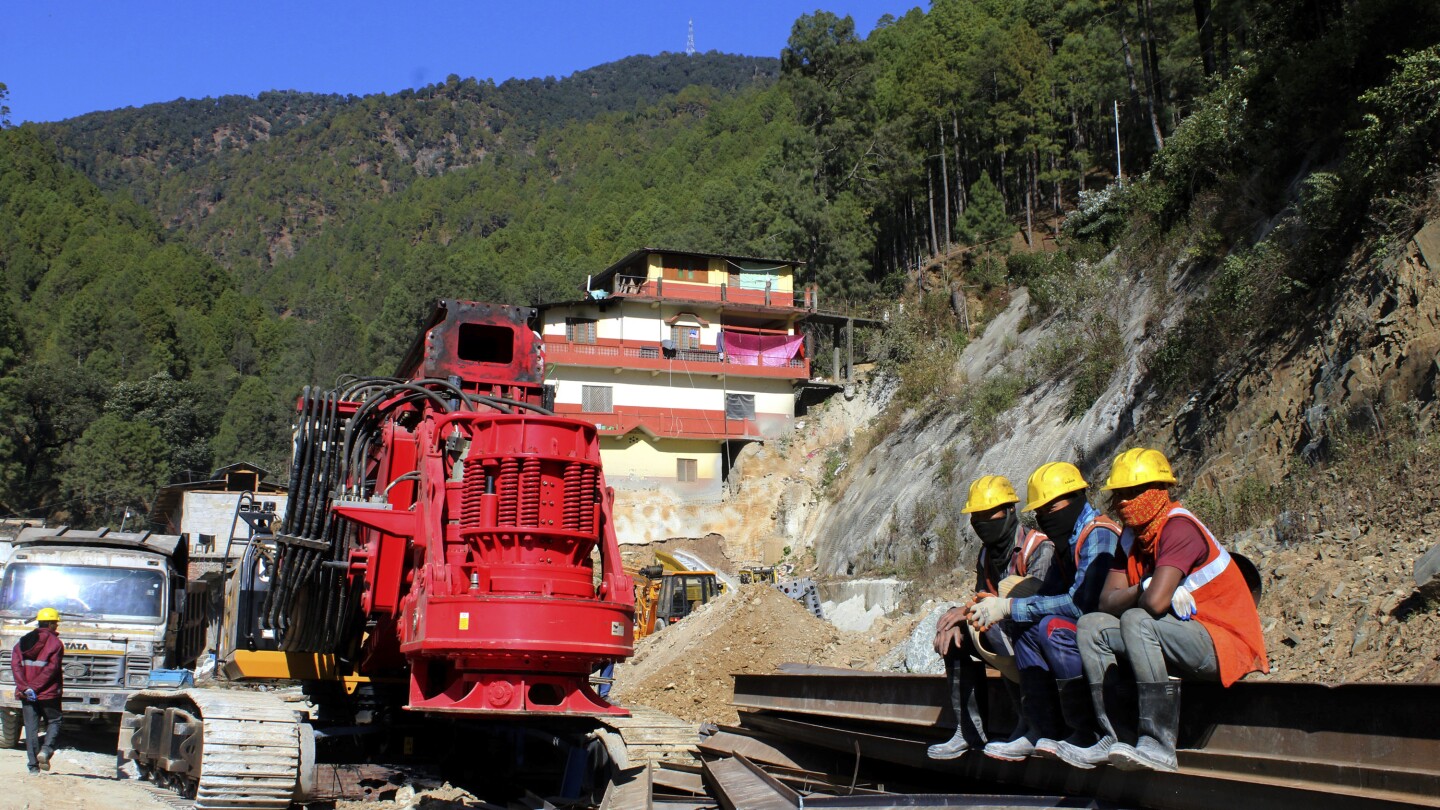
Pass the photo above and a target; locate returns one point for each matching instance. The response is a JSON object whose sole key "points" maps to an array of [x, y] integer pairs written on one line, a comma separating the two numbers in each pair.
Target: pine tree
{"points": [[985, 222], [255, 428], [116, 465]]}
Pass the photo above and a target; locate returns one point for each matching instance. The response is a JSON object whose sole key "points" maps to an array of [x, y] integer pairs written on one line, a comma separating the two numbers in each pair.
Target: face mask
{"points": [[1059, 524], [997, 533]]}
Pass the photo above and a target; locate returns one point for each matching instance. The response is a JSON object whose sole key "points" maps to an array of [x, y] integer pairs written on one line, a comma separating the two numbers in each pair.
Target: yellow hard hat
{"points": [[988, 493], [47, 615], [1140, 465], [1051, 481]]}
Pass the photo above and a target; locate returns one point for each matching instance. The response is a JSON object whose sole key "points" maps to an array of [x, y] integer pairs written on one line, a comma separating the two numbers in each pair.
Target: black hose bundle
{"points": [[311, 601]]}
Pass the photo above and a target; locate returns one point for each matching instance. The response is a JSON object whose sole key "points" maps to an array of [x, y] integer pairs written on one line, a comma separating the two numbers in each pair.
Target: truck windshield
{"points": [[82, 591]]}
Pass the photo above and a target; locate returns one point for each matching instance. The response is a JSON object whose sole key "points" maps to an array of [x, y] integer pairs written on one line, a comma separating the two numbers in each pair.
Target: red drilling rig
{"points": [[447, 557]]}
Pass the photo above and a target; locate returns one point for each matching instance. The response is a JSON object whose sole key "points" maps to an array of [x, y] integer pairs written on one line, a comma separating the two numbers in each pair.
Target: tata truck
{"points": [[129, 616]]}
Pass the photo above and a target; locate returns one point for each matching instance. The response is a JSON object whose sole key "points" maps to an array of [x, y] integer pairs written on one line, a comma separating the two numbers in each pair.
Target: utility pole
{"points": [[690, 40], [1119, 169]]}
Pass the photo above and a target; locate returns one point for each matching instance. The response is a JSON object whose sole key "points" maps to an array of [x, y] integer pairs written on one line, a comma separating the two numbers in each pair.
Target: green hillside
{"points": [[121, 349], [248, 180]]}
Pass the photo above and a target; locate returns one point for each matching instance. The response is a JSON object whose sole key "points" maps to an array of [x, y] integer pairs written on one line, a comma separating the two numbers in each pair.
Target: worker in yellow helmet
{"points": [[1007, 550], [1175, 602], [36, 665], [1054, 697]]}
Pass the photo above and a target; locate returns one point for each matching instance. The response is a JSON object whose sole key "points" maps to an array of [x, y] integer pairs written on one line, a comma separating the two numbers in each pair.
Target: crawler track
{"points": [[246, 753]]}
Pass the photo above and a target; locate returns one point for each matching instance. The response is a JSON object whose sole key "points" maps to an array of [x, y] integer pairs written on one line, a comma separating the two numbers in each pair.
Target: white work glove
{"points": [[988, 611], [1181, 602]]}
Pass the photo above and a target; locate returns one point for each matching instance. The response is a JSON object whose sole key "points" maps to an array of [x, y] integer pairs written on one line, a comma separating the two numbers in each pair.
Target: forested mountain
{"points": [[123, 353], [248, 180], [245, 247]]}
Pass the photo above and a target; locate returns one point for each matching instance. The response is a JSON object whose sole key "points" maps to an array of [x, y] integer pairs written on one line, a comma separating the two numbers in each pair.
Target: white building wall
{"points": [[212, 513], [673, 389], [636, 320]]}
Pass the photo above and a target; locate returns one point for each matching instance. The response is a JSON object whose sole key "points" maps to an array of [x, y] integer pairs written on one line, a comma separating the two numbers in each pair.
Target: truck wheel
{"points": [[10, 728]]}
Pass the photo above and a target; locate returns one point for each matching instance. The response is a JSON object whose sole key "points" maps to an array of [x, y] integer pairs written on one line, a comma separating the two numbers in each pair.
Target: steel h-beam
{"points": [[1259, 743]]}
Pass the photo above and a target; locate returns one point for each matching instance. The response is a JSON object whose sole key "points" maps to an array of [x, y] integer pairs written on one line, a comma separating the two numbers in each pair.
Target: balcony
{"points": [[654, 358], [641, 287], [674, 423]]}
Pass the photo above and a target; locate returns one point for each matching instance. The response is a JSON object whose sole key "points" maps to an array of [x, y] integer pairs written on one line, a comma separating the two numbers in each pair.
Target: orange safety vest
{"points": [[1223, 603], [1029, 542], [1099, 522]]}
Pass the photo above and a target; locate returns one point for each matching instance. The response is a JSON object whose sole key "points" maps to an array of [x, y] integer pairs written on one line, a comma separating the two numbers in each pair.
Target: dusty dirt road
{"points": [[81, 777]]}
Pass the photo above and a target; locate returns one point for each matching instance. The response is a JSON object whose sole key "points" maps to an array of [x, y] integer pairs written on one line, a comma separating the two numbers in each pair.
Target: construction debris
{"points": [[685, 669]]}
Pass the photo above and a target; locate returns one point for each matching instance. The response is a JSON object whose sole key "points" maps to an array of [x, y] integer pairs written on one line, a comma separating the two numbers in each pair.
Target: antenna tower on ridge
{"points": [[690, 40]]}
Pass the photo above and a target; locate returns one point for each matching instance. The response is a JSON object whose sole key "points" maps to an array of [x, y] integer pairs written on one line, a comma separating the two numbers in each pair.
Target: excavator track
{"points": [[648, 736], [228, 750]]}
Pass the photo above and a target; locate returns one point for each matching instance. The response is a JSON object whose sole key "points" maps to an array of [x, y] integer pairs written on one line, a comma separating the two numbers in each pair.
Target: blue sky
{"points": [[62, 59]]}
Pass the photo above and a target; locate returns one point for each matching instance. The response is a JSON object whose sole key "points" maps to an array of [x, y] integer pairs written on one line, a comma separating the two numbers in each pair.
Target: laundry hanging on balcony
{"points": [[760, 350], [755, 276]]}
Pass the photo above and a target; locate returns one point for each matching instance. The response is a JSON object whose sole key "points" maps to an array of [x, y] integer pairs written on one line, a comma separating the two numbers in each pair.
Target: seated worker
{"points": [[1174, 602], [1007, 549], [1054, 697]]}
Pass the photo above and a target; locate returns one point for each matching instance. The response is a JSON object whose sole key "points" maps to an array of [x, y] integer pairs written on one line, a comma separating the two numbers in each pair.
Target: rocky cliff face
{"points": [[1339, 558], [1374, 349], [907, 491]]}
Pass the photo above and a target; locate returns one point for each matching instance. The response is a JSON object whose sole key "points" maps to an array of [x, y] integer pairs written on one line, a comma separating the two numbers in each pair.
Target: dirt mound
{"points": [[710, 548], [685, 669]]}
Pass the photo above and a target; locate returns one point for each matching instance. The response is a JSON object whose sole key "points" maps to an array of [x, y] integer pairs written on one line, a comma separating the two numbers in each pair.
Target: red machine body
{"points": [[485, 558]]}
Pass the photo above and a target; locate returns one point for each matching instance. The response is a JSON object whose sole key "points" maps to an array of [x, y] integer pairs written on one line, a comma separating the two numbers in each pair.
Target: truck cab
{"points": [[122, 599]]}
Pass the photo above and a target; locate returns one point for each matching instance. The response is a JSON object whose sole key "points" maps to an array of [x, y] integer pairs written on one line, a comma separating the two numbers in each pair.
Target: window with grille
{"points": [[580, 330], [686, 268], [596, 399], [687, 470], [685, 336], [740, 406]]}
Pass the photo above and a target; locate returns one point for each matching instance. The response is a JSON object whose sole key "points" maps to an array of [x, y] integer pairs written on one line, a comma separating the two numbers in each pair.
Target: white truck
{"points": [[128, 613]]}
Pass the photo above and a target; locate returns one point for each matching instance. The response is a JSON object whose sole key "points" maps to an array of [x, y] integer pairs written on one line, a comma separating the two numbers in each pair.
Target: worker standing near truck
{"points": [[1174, 602], [1007, 549], [1054, 696], [37, 663]]}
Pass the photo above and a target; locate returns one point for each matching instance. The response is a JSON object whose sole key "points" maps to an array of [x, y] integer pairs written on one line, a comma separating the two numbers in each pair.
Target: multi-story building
{"points": [[680, 358]]}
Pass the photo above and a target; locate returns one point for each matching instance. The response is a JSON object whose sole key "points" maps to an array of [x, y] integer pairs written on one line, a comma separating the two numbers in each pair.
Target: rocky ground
{"points": [[81, 777], [1342, 602]]}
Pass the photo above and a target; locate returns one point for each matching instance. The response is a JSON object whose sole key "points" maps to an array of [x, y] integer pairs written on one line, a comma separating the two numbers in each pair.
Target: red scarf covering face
{"points": [[1147, 514]]}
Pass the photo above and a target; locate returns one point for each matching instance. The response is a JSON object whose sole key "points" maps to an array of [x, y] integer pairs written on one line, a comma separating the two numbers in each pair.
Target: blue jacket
{"points": [[1090, 574]]}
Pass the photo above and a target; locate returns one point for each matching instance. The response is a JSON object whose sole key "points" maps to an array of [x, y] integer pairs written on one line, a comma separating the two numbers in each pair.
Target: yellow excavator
{"points": [[667, 592], [758, 573]]}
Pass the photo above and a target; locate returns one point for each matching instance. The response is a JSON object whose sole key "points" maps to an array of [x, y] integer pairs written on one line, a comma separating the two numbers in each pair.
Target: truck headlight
{"points": [[138, 679]]}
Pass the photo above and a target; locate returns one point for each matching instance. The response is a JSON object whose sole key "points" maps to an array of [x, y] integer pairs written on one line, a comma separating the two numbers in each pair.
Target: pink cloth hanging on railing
{"points": [[760, 350]]}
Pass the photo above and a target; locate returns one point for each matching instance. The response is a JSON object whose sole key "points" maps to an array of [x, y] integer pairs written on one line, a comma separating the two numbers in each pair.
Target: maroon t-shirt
{"points": [[1181, 546]]}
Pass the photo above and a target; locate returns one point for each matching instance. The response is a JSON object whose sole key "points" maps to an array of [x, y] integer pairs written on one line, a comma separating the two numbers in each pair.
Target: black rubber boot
{"points": [[1159, 720], [1098, 752], [968, 698], [1078, 710], [1038, 705]]}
